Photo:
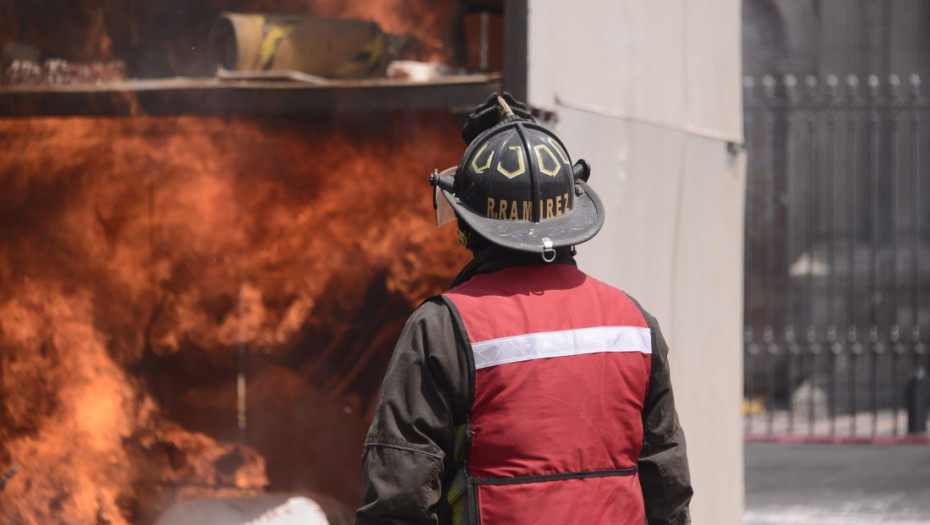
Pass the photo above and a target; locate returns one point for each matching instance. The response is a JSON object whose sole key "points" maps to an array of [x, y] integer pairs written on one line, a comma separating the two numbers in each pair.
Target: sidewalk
{"points": [[842, 484]]}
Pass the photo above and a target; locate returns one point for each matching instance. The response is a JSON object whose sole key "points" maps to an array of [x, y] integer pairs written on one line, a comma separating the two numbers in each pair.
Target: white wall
{"points": [[649, 93]]}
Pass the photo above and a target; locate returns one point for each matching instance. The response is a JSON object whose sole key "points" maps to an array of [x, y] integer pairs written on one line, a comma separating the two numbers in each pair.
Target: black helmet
{"points": [[516, 187]]}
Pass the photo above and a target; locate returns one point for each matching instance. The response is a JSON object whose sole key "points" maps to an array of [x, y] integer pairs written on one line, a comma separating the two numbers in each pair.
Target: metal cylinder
{"points": [[917, 390], [326, 47]]}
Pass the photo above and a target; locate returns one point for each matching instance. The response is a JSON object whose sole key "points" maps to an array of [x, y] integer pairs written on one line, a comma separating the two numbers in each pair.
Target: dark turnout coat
{"points": [[527, 393]]}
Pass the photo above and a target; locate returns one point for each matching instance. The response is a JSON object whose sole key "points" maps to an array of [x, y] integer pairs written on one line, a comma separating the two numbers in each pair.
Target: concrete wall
{"points": [[649, 93]]}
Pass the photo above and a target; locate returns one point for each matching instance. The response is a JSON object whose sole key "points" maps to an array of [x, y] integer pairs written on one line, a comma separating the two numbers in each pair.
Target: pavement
{"points": [[837, 484]]}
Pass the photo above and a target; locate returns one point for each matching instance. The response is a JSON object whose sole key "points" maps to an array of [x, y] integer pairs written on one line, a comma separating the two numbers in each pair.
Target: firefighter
{"points": [[528, 392]]}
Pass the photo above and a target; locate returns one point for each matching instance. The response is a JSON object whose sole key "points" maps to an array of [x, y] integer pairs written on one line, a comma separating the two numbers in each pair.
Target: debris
{"points": [[61, 72], [295, 511], [415, 71]]}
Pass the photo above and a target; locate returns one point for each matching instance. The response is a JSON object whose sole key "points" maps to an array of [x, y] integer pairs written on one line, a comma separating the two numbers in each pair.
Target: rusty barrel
{"points": [[326, 47]]}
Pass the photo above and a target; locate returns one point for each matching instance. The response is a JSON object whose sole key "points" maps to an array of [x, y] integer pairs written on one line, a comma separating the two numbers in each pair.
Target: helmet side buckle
{"points": [[548, 253]]}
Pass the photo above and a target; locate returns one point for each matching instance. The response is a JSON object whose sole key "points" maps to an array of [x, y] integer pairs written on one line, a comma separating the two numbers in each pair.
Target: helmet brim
{"points": [[579, 225]]}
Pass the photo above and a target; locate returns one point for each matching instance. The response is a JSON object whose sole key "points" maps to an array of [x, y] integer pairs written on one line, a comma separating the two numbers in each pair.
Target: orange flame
{"points": [[141, 256]]}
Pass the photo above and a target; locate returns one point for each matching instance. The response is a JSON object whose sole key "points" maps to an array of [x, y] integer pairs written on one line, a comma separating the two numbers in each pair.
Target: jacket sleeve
{"points": [[663, 463], [411, 432]]}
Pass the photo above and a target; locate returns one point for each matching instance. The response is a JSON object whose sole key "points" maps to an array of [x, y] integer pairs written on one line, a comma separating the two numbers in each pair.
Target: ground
{"points": [[837, 484]]}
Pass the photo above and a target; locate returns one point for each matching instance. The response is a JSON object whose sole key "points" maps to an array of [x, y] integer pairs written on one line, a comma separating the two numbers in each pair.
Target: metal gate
{"points": [[837, 261]]}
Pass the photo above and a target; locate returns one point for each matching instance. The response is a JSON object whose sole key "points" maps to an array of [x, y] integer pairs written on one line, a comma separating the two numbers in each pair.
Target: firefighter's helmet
{"points": [[517, 187]]}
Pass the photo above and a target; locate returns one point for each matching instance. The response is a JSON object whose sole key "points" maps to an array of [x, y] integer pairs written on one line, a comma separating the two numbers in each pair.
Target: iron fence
{"points": [[837, 260]]}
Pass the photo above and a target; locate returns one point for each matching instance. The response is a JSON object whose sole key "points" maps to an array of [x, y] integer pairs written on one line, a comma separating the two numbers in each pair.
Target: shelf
{"points": [[269, 95]]}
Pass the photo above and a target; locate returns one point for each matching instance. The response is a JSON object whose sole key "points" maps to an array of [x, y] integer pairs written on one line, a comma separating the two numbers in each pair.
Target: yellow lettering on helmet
{"points": [[474, 160], [566, 203], [527, 210], [490, 212], [560, 151], [554, 170], [502, 211], [558, 205], [514, 208], [520, 168], [548, 208]]}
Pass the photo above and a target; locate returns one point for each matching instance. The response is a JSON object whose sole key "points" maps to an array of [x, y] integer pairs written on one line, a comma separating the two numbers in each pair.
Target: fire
{"points": [[147, 261]]}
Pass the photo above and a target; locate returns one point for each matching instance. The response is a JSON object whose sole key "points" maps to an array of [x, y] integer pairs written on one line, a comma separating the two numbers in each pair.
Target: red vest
{"points": [[561, 365]]}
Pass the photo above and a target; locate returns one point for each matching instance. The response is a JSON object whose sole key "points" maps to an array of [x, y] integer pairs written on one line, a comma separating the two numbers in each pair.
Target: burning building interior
{"points": [[203, 277]]}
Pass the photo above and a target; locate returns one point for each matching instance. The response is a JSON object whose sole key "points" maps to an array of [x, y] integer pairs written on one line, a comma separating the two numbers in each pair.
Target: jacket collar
{"points": [[495, 258]]}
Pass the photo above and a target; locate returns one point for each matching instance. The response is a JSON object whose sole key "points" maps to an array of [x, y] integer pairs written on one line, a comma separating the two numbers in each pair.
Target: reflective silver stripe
{"points": [[562, 343]]}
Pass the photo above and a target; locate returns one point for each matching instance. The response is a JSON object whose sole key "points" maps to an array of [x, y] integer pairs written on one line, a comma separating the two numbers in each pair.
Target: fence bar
{"points": [[915, 214], [916, 344], [893, 340], [811, 227], [852, 343], [791, 347], [768, 85], [833, 187]]}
